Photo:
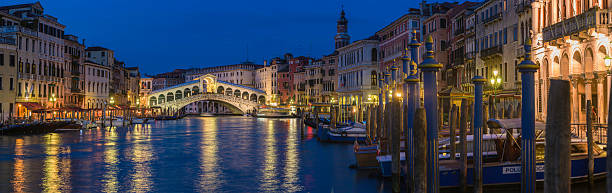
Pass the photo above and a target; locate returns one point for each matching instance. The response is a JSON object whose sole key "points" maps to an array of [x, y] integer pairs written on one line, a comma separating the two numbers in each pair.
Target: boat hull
{"points": [[366, 156], [495, 174], [325, 135]]}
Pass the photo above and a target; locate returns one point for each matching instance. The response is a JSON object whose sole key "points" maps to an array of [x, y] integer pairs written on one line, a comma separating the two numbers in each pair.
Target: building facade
{"points": [[578, 55], [357, 78], [40, 55], [74, 56], [97, 85], [8, 78]]}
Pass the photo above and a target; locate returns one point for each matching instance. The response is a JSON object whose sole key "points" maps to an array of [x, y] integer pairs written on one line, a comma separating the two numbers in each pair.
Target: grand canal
{"points": [[214, 154]]}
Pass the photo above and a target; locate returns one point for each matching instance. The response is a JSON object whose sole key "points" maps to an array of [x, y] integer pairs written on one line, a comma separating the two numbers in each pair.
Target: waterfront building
{"points": [[243, 73], [97, 85], [146, 87], [456, 69], [296, 66], [499, 46], [133, 86], [437, 24], [395, 37], [578, 55], [168, 79], [8, 77], [40, 55], [74, 56], [265, 79], [468, 69], [357, 77]]}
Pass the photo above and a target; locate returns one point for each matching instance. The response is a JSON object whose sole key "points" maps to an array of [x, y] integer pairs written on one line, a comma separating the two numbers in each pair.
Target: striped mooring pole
{"points": [[478, 81], [528, 165], [430, 68]]}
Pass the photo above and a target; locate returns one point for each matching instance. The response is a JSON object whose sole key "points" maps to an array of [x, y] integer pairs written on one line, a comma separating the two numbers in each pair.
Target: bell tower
{"points": [[342, 38]]}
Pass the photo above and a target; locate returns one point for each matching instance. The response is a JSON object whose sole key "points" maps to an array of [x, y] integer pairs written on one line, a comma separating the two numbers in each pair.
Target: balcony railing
{"points": [[490, 52], [7, 40], [592, 18], [14, 29], [75, 73], [459, 31], [492, 18], [75, 90]]}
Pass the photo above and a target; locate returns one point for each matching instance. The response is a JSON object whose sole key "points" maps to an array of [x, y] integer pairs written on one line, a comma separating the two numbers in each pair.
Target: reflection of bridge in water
{"points": [[238, 98]]}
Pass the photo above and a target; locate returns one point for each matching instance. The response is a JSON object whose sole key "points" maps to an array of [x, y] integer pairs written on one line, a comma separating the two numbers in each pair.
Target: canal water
{"points": [[212, 154]]}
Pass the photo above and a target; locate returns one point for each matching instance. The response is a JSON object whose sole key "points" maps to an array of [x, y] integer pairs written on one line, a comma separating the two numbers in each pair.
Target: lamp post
{"points": [[52, 99], [495, 84]]}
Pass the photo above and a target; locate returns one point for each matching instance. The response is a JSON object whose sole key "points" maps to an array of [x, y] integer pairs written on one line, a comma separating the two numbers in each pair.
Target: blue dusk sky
{"points": [[160, 36]]}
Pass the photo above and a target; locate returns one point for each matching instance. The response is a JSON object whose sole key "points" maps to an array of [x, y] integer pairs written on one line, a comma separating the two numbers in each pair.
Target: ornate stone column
{"points": [[575, 100], [600, 97]]}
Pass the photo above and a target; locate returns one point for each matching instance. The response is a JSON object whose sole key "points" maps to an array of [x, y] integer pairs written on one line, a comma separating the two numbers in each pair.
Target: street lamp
{"points": [[608, 61]]}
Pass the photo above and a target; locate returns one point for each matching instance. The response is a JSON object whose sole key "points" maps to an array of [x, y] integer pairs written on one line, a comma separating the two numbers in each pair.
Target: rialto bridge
{"points": [[238, 98]]}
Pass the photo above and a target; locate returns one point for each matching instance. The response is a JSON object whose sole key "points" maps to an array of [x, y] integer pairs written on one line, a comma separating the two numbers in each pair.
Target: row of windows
{"points": [[97, 72], [30, 90], [97, 87], [50, 30], [50, 69], [50, 48], [11, 60]]}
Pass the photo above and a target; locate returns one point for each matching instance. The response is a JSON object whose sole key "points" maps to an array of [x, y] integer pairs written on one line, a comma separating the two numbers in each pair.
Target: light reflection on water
{"points": [[213, 154], [210, 177], [111, 161]]}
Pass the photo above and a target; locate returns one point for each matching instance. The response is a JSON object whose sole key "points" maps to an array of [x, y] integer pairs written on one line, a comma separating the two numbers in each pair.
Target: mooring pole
{"points": [[420, 149], [413, 102], [589, 134], [527, 69], [478, 81], [430, 67], [557, 163], [462, 143], [379, 110], [395, 131], [452, 124], [387, 115]]}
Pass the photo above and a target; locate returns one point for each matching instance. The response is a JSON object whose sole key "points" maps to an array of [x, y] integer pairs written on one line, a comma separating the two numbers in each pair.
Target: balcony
{"points": [[75, 73], [14, 29], [75, 90], [458, 58], [459, 31], [492, 18], [491, 52], [7, 40], [523, 7], [593, 18]]}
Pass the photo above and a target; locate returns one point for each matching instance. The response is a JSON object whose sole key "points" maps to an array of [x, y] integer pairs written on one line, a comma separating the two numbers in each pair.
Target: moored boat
{"points": [[365, 155], [344, 134]]}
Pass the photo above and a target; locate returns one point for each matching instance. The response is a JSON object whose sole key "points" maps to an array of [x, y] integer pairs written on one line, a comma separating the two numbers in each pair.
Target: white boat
{"points": [[140, 121]]}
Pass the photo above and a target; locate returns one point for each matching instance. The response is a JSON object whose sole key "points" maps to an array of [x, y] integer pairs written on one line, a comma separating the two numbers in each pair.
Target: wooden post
{"points": [[463, 144], [420, 151], [452, 124], [395, 144], [558, 164], [368, 123], [590, 165]]}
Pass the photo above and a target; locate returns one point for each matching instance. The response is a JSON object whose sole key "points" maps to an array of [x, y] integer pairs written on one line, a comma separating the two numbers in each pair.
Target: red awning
{"points": [[30, 105]]}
